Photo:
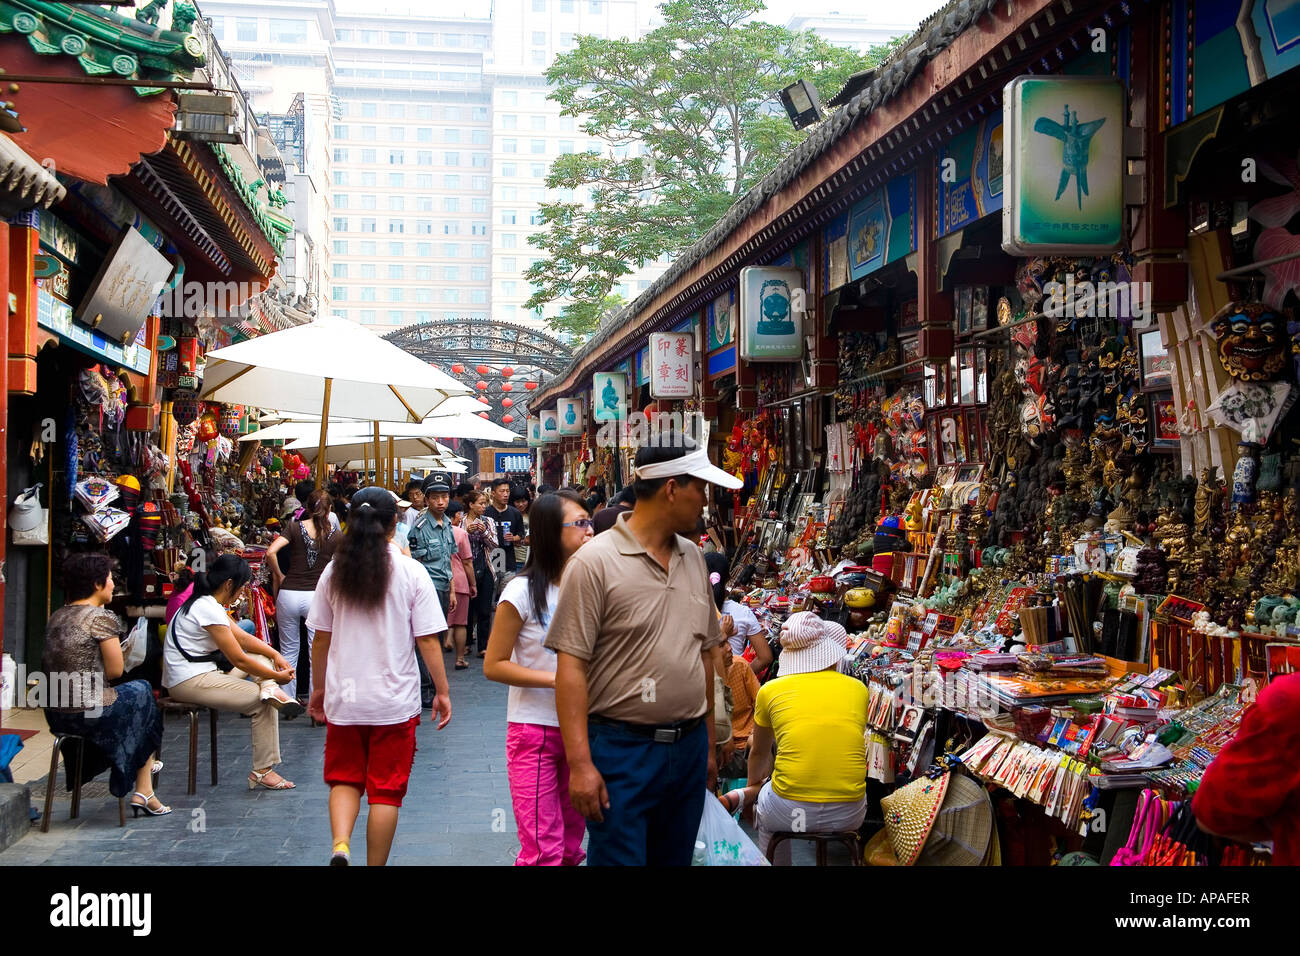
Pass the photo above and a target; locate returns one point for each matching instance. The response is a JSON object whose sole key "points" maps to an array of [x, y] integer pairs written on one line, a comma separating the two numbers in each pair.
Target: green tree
{"points": [[690, 119]]}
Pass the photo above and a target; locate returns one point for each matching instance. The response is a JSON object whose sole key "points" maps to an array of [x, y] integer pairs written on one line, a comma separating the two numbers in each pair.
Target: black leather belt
{"points": [[659, 733]]}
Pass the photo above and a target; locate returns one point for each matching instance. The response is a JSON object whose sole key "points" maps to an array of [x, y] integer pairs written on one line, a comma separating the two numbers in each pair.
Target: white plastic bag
{"points": [[721, 841], [136, 645]]}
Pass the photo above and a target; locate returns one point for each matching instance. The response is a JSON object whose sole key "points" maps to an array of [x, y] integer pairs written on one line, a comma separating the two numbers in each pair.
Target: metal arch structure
{"points": [[532, 354], [474, 342]]}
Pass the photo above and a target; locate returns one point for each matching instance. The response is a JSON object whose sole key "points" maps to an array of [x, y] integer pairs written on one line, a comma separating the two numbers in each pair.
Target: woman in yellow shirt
{"points": [[817, 718]]}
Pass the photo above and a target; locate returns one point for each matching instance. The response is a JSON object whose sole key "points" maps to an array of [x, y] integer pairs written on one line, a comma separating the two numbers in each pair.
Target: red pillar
{"points": [[4, 416]]}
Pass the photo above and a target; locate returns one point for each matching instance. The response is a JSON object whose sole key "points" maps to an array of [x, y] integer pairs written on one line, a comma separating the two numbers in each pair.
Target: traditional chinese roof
{"points": [[274, 225], [23, 181], [108, 44], [934, 36]]}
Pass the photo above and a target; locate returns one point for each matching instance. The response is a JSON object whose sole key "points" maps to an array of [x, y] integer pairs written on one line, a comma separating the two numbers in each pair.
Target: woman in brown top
{"points": [[83, 651], [297, 559]]}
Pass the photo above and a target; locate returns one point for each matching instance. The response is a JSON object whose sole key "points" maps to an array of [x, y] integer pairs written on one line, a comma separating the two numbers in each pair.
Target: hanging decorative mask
{"points": [[1252, 340]]}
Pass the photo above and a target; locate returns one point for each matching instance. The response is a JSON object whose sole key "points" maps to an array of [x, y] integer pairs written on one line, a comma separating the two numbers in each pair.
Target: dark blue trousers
{"points": [[656, 797]]}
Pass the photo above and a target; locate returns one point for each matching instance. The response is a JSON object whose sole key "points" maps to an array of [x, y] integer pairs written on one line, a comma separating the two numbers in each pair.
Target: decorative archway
{"points": [[532, 354]]}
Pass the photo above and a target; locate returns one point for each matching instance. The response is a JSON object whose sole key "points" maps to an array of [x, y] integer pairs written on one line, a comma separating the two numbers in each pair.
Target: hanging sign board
{"points": [[535, 432], [550, 426], [609, 396], [573, 420], [771, 314], [672, 365], [969, 178], [126, 288], [1064, 166]]}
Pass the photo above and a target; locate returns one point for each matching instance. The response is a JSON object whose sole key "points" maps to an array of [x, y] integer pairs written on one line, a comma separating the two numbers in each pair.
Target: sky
{"points": [[904, 12]]}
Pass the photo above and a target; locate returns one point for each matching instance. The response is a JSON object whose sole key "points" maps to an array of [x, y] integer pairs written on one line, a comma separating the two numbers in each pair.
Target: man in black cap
{"points": [[433, 545]]}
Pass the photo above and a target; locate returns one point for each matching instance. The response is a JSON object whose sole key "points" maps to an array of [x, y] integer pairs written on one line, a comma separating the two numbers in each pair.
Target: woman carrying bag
{"points": [[308, 545], [200, 633]]}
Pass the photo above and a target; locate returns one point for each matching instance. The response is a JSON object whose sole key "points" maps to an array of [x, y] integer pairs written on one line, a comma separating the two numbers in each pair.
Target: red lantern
{"points": [[508, 419], [482, 370], [458, 368], [482, 414], [481, 385], [507, 387], [507, 371], [208, 430], [507, 402], [531, 386]]}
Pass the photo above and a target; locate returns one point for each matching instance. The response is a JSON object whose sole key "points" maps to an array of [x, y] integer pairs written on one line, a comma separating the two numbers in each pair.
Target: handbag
{"points": [[29, 522], [136, 645]]}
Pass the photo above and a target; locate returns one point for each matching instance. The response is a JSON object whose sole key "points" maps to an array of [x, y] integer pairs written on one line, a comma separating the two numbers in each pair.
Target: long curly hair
{"points": [[363, 565]]}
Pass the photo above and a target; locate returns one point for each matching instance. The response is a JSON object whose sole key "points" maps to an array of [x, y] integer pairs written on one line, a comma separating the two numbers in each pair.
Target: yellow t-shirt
{"points": [[819, 721]]}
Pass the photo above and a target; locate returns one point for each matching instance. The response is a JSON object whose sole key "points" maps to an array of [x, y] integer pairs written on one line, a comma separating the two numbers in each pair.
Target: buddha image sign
{"points": [[771, 314], [1065, 165], [609, 396]]}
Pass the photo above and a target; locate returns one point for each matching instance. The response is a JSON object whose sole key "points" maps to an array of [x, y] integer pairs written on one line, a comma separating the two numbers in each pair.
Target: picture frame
{"points": [[962, 295], [909, 317], [1164, 421], [979, 309], [945, 475], [964, 386], [1156, 363], [909, 349], [975, 435], [952, 439], [936, 385]]}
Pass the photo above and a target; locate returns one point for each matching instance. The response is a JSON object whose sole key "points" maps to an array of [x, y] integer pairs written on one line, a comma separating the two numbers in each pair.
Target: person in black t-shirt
{"points": [[510, 523]]}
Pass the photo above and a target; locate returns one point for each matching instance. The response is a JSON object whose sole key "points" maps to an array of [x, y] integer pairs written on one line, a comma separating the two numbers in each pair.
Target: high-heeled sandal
{"points": [[256, 780], [286, 705], [137, 807]]}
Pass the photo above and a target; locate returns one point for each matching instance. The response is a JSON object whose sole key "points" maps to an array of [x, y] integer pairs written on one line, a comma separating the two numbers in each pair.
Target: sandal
{"points": [[256, 780], [461, 664], [286, 705], [148, 799], [157, 767]]}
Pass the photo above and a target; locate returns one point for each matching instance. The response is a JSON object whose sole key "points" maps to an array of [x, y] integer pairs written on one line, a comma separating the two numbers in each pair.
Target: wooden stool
{"points": [[52, 779], [169, 706], [847, 837]]}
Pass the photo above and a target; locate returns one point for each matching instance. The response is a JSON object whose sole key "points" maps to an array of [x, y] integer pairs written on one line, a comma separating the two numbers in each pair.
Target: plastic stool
{"points": [[51, 781], [169, 706], [847, 837]]}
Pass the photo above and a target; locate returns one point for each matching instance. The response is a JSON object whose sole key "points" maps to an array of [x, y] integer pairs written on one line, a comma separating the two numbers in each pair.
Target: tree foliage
{"points": [[690, 120]]}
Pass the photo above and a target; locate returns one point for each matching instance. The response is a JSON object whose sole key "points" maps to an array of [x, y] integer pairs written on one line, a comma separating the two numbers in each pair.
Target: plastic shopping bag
{"points": [[721, 841]]}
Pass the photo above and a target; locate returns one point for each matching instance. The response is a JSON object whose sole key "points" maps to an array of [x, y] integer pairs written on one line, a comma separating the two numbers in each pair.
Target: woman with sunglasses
{"points": [[201, 633], [550, 829]]}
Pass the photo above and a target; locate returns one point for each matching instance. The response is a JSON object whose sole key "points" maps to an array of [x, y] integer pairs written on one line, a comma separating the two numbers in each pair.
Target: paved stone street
{"points": [[457, 811]]}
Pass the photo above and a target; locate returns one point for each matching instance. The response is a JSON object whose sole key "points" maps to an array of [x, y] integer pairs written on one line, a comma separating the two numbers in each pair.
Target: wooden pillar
{"points": [[24, 242], [934, 307], [825, 355], [746, 384]]}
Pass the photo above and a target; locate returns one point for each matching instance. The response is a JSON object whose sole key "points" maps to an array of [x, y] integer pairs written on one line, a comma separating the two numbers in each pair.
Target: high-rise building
{"points": [[854, 32]]}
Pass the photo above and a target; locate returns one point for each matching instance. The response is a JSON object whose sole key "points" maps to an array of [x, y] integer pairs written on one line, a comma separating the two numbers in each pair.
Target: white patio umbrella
{"points": [[358, 447], [438, 426], [329, 366]]}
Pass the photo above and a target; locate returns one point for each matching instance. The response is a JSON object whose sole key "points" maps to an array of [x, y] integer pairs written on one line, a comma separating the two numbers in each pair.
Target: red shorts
{"points": [[376, 759]]}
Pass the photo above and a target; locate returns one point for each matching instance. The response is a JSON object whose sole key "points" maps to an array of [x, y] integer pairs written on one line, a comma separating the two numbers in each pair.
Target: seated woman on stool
{"points": [[200, 632], [817, 719], [83, 643]]}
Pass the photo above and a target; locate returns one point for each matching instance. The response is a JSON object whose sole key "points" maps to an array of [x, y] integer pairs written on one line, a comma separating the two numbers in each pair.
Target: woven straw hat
{"points": [[910, 813], [944, 822]]}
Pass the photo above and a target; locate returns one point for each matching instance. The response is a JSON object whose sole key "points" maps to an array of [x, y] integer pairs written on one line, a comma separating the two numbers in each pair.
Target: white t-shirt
{"points": [[189, 628], [746, 625], [372, 678], [531, 705]]}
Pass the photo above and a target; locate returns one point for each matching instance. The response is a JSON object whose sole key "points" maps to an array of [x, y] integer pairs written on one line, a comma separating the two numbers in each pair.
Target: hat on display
{"points": [[809, 644], [947, 821], [291, 504]]}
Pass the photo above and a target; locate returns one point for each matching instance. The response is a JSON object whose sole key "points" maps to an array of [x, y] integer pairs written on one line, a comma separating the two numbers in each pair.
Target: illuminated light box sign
{"points": [[550, 421], [771, 314], [572, 416], [609, 396]]}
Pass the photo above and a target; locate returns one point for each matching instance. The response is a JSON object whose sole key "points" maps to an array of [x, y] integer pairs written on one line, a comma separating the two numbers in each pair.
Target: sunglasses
{"points": [[580, 523]]}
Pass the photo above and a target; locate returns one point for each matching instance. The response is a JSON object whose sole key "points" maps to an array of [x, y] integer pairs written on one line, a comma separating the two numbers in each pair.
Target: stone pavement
{"points": [[457, 811]]}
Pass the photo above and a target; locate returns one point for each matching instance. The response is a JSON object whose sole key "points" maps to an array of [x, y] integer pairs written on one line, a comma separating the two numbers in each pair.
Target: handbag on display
{"points": [[28, 521]]}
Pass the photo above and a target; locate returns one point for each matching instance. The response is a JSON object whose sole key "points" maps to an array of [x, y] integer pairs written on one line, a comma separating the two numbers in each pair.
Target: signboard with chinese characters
{"points": [[771, 314], [609, 396], [513, 461], [573, 418], [550, 425], [1064, 165], [126, 288], [672, 365], [56, 316], [969, 178], [535, 432]]}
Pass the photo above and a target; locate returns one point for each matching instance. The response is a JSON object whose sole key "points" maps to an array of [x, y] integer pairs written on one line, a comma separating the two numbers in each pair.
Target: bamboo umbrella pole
{"points": [[321, 457]]}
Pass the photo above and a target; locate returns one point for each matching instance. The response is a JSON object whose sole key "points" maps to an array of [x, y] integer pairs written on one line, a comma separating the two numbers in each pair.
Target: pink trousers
{"points": [[550, 829]]}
